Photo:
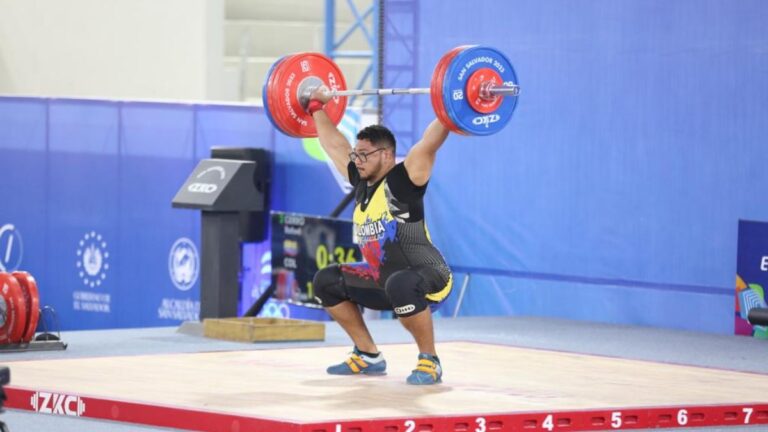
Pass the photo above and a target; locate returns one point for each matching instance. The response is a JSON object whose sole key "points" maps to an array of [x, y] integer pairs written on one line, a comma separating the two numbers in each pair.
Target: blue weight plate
{"points": [[265, 95], [454, 91]]}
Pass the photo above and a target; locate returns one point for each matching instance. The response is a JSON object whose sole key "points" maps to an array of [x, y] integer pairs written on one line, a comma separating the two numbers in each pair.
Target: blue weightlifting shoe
{"points": [[428, 371], [358, 363]]}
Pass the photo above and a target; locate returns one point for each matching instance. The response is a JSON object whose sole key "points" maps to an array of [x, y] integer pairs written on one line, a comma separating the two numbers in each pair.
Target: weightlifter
{"points": [[402, 270]]}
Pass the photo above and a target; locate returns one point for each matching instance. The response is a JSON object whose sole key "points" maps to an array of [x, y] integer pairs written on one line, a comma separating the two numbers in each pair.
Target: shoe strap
{"points": [[356, 363], [427, 366], [428, 363]]}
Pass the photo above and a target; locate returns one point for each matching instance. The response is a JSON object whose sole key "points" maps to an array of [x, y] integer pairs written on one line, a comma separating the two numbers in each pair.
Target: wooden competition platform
{"points": [[486, 388]]}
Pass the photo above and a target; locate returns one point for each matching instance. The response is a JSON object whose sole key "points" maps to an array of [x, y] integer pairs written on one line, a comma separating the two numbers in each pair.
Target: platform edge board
{"points": [[679, 416], [587, 420], [251, 329], [72, 405]]}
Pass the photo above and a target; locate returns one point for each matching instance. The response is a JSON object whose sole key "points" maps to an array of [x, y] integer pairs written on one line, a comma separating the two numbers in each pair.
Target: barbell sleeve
{"points": [[505, 90]]}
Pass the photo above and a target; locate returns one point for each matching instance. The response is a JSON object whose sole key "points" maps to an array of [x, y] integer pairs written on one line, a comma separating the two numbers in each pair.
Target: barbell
{"points": [[473, 91]]}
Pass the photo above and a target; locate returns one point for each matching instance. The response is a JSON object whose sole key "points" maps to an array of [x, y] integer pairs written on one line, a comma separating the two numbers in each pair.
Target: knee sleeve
{"points": [[328, 285], [406, 292]]}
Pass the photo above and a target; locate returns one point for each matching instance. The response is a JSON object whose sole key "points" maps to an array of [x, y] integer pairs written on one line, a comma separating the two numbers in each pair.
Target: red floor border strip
{"points": [[197, 420], [591, 420], [134, 412]]}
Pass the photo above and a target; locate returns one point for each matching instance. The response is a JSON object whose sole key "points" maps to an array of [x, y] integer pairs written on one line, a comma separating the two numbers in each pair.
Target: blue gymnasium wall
{"points": [[613, 195], [639, 141], [79, 173]]}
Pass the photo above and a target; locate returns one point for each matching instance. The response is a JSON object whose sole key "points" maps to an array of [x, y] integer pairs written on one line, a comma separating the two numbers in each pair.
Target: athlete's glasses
{"points": [[363, 156]]}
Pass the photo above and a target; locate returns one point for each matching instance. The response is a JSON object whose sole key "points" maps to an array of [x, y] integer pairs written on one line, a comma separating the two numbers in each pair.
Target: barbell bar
{"points": [[492, 90], [473, 91]]}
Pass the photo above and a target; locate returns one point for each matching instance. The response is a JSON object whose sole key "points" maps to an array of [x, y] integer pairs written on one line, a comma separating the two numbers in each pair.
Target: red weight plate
{"points": [[274, 98], [282, 113], [31, 296], [436, 88], [448, 61], [296, 74], [479, 78], [285, 115], [13, 312]]}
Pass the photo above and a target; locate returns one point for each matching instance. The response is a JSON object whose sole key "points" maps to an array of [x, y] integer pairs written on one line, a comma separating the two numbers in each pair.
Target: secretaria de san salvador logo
{"points": [[184, 263], [92, 259]]}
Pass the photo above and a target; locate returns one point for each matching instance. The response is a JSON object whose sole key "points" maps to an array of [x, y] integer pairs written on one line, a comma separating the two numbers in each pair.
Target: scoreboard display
{"points": [[301, 245]]}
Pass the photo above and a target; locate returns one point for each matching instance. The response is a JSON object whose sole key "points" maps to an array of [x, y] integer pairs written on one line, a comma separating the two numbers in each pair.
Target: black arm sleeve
{"points": [[402, 186]]}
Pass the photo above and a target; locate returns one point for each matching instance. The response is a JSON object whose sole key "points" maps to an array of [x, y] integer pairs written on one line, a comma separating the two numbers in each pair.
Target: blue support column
{"points": [[334, 47], [400, 70], [394, 40], [330, 27]]}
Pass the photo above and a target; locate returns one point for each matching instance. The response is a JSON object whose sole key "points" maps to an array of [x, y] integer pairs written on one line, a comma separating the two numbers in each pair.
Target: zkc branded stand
{"points": [[232, 190]]}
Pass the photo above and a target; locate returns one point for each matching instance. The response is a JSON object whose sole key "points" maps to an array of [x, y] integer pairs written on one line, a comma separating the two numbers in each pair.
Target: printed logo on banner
{"points": [[751, 276], [55, 403], [275, 309], [179, 309], [183, 269], [92, 265], [184, 264], [11, 248], [92, 259]]}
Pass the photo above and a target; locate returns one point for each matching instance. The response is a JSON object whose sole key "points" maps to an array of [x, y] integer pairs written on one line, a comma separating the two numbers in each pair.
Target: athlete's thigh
{"points": [[362, 287], [433, 280]]}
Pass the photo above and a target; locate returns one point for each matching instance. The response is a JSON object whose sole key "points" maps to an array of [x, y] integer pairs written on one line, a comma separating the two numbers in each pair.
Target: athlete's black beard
{"points": [[371, 173]]}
